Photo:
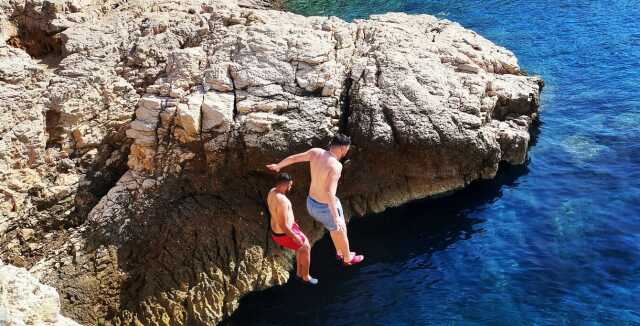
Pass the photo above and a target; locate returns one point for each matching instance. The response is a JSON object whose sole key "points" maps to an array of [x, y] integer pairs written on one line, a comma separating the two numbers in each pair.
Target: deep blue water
{"points": [[554, 242]]}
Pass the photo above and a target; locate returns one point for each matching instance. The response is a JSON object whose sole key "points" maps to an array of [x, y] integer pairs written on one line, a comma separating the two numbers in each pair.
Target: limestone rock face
{"points": [[25, 301], [134, 136]]}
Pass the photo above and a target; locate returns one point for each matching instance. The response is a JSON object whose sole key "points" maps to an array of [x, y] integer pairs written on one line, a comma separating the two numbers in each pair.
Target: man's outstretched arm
{"points": [[296, 158]]}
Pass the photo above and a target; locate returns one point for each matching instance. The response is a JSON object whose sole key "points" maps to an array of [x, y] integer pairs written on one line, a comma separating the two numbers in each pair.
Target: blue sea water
{"points": [[553, 242]]}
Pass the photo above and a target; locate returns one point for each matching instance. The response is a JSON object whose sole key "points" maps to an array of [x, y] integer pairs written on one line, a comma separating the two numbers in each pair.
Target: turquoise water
{"points": [[554, 242]]}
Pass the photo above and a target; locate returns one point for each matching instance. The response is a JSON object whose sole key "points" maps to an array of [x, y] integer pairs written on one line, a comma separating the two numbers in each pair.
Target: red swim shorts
{"points": [[286, 241]]}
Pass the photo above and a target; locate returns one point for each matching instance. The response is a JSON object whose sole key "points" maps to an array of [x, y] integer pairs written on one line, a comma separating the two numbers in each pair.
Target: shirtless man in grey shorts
{"points": [[322, 203]]}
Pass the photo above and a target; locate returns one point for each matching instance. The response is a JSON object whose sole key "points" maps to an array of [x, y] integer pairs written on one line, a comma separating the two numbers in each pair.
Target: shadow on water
{"points": [[419, 228]]}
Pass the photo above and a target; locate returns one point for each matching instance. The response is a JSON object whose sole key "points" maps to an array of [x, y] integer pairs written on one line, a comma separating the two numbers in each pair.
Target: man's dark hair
{"points": [[283, 177], [340, 140]]}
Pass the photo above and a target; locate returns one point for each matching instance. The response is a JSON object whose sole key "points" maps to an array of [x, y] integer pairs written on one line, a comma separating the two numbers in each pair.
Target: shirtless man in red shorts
{"points": [[284, 229]]}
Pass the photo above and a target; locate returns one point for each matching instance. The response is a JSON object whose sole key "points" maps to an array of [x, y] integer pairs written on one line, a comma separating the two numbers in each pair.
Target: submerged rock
{"points": [[134, 143]]}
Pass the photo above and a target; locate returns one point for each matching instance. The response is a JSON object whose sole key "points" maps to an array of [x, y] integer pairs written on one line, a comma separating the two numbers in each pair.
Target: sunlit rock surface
{"points": [[135, 134], [25, 301]]}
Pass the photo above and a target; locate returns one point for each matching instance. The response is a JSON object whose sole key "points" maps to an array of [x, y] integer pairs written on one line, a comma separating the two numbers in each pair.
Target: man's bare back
{"points": [[325, 170], [280, 210]]}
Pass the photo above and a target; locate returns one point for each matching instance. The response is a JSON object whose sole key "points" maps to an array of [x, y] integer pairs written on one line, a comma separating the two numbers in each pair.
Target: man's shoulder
{"points": [[282, 198], [316, 151]]}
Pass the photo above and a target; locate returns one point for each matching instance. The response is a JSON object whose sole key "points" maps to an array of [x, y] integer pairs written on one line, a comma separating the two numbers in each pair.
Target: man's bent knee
{"points": [[305, 247]]}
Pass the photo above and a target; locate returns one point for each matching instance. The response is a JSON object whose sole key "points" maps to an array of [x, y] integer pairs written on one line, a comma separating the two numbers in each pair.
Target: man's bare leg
{"points": [[303, 258], [341, 242], [298, 264]]}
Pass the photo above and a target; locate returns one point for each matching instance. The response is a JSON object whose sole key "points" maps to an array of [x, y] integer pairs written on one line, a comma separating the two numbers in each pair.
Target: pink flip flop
{"points": [[339, 257], [356, 259]]}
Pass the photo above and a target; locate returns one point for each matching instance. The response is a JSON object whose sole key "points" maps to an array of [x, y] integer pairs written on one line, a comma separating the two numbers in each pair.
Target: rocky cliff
{"points": [[134, 136]]}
